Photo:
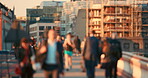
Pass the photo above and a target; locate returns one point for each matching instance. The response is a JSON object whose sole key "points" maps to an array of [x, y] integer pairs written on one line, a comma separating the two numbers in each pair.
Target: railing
{"points": [[7, 64], [133, 66]]}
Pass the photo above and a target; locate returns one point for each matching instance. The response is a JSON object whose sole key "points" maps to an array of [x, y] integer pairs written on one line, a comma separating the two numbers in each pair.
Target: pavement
{"points": [[75, 72]]}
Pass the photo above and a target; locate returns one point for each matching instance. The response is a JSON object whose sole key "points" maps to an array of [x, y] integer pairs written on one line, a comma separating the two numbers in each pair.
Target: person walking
{"points": [[82, 48], [116, 51], [68, 52], [77, 43], [106, 59], [24, 55], [53, 63], [91, 54]]}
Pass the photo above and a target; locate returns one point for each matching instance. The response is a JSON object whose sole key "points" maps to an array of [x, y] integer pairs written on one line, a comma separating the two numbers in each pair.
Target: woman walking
{"points": [[68, 45], [53, 62], [106, 59], [24, 59]]}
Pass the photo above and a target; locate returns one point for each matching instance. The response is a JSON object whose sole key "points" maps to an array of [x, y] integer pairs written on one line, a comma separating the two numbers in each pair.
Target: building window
{"points": [[146, 45], [126, 45], [49, 27], [62, 29], [136, 45], [41, 33], [41, 27], [33, 34]]}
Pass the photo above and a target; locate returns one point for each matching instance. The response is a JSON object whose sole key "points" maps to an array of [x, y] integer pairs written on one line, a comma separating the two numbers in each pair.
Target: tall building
{"points": [[127, 18], [6, 18], [38, 29], [69, 15], [47, 12]]}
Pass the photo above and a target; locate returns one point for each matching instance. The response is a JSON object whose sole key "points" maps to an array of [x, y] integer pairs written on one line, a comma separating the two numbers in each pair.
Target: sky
{"points": [[21, 5]]}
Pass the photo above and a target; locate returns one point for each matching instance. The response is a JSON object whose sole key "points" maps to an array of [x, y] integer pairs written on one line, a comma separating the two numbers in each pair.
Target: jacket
{"points": [[91, 49]]}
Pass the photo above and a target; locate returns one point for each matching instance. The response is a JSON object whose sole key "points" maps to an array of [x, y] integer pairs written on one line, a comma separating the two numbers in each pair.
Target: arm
{"points": [[64, 44], [84, 49]]}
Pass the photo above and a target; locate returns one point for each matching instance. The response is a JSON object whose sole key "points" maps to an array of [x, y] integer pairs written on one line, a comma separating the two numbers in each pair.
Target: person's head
{"points": [[24, 43], [32, 38], [114, 35], [68, 36], [52, 34], [62, 38], [92, 33], [58, 38]]}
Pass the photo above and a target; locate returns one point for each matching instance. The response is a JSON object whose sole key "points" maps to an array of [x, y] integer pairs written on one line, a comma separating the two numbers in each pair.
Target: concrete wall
{"points": [[133, 66], [80, 26]]}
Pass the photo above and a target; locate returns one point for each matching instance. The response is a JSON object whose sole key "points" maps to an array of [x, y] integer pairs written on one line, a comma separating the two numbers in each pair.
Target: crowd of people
{"points": [[54, 55]]}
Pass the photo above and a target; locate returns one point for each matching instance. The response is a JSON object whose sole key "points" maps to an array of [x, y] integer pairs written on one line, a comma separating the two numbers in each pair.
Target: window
{"points": [[41, 33], [136, 45], [146, 45], [62, 29], [126, 45], [41, 27], [49, 27], [33, 34]]}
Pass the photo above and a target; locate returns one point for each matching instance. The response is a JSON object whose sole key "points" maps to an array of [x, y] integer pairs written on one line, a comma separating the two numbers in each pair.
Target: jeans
{"points": [[90, 68]]}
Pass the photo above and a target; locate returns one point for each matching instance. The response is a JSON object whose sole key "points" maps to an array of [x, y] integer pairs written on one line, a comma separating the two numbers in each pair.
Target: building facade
{"points": [[127, 18], [23, 21], [38, 29], [47, 12], [69, 15], [6, 18]]}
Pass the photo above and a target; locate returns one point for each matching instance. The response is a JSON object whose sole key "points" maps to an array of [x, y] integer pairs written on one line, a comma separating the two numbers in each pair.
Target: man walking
{"points": [[116, 51], [91, 54]]}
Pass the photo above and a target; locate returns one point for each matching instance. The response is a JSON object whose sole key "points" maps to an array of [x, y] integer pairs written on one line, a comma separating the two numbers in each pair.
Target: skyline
{"points": [[22, 5]]}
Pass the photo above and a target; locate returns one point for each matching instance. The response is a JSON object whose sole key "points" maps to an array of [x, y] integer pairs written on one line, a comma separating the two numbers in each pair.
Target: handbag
{"points": [[18, 70], [35, 65]]}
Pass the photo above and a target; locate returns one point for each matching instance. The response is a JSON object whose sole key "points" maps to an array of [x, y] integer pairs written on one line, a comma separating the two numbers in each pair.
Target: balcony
{"points": [[116, 14]]}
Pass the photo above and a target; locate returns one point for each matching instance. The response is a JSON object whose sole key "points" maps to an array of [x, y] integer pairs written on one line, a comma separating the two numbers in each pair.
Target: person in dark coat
{"points": [[116, 51], [24, 55], [53, 63], [77, 43], [91, 54]]}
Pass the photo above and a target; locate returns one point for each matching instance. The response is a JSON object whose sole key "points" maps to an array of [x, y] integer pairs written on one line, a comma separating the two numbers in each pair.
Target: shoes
{"points": [[83, 70], [67, 69]]}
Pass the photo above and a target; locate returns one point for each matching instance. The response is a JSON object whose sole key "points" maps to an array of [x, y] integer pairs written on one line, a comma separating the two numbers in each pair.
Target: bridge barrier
{"points": [[133, 66]]}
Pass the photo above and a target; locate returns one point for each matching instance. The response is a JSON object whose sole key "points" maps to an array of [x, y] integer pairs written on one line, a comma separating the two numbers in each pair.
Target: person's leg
{"points": [[66, 61], [47, 73], [70, 61], [90, 69], [115, 70], [55, 73], [30, 75]]}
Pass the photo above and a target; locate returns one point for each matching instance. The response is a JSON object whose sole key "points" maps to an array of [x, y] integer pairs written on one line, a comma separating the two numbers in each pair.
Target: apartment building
{"points": [[127, 18], [46, 12], [39, 29]]}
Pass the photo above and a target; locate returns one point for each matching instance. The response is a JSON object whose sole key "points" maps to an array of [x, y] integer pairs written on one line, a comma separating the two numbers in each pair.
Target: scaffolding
{"points": [[116, 19], [121, 17], [140, 18]]}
